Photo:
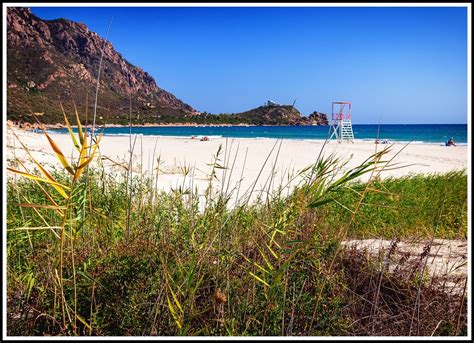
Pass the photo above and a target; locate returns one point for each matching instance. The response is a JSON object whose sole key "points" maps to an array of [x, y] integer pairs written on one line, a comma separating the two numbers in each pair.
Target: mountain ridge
{"points": [[58, 60]]}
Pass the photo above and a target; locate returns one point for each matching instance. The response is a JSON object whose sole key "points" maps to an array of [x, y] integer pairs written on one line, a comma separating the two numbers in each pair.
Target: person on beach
{"points": [[450, 142]]}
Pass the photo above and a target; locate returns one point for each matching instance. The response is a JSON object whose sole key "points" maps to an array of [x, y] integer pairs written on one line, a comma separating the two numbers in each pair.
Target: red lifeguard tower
{"points": [[341, 126]]}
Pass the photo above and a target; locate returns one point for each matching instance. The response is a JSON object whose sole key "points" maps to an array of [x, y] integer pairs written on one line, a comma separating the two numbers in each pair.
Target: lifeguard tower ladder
{"points": [[341, 126]]}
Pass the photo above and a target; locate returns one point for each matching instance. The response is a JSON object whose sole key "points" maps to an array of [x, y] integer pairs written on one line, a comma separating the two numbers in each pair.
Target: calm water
{"points": [[432, 133]]}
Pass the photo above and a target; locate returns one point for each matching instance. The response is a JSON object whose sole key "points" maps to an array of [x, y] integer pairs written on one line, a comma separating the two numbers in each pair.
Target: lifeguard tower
{"points": [[341, 126]]}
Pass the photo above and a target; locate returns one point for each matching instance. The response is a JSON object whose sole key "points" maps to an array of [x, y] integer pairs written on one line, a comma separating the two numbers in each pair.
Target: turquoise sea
{"points": [[416, 133]]}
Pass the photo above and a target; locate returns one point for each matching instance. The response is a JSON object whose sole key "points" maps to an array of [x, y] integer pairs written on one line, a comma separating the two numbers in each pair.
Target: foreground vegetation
{"points": [[91, 253]]}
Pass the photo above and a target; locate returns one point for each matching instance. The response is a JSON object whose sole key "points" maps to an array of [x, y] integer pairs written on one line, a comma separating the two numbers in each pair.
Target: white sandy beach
{"points": [[294, 155]]}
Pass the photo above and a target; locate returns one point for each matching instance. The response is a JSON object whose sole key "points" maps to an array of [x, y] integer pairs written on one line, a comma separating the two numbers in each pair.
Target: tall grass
{"points": [[64, 203], [406, 207], [159, 263]]}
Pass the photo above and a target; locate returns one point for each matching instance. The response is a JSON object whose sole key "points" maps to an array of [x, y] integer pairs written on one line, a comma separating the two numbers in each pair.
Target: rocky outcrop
{"points": [[271, 115], [318, 118], [62, 57]]}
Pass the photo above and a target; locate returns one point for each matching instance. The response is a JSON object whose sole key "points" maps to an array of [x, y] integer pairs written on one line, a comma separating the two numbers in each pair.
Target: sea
{"points": [[414, 133]]}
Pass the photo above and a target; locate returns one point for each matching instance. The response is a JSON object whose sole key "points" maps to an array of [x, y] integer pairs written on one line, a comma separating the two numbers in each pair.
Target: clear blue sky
{"points": [[397, 65]]}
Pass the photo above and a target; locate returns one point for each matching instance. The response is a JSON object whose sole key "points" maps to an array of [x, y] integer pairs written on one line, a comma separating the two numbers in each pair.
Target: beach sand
{"points": [[177, 153]]}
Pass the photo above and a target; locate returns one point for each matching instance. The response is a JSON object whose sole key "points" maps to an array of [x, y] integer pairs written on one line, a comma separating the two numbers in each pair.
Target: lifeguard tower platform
{"points": [[341, 126]]}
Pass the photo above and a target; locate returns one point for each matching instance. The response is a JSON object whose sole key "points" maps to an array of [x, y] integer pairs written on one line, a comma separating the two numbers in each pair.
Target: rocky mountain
{"points": [[49, 61], [57, 61]]}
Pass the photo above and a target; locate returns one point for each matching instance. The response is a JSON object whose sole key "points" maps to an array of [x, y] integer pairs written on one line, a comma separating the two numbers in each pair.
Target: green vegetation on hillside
{"points": [[264, 115]]}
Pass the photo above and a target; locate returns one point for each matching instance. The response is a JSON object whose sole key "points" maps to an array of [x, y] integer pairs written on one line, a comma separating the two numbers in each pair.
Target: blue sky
{"points": [[396, 65]]}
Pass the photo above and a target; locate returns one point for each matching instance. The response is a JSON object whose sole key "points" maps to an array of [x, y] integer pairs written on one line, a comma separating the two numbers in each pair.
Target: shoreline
{"points": [[31, 129], [213, 136], [63, 126], [26, 127], [315, 140], [425, 157]]}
